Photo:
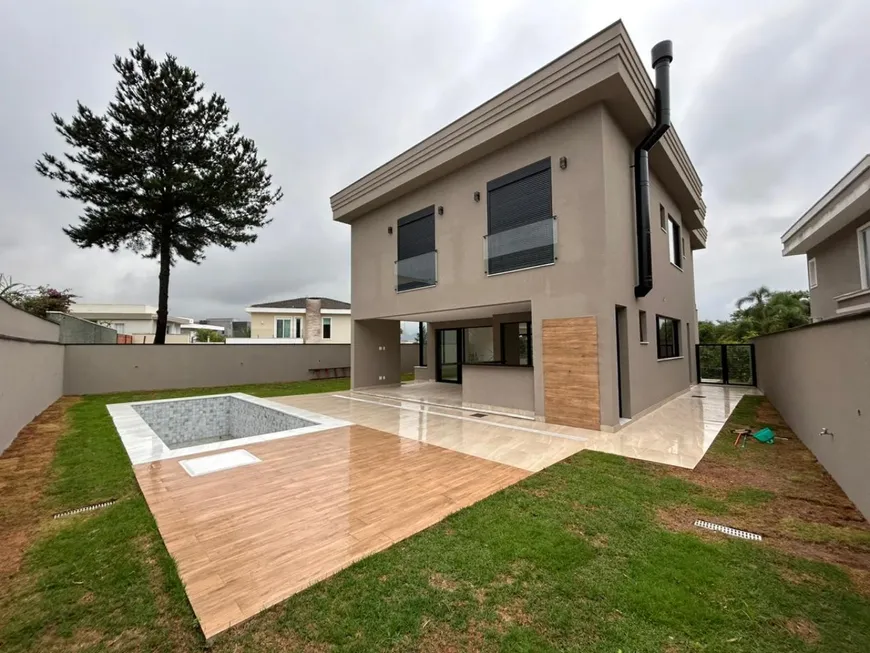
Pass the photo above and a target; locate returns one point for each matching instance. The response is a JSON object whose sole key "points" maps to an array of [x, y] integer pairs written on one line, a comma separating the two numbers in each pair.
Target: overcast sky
{"points": [[770, 98]]}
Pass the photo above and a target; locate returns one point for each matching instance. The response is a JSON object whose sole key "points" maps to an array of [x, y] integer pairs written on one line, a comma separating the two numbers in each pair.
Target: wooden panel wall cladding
{"points": [[570, 354]]}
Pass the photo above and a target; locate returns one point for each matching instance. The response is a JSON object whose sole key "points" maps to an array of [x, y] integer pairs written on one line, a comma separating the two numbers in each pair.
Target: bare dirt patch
{"points": [[442, 638], [804, 629], [514, 613], [441, 582], [809, 515], [24, 469]]}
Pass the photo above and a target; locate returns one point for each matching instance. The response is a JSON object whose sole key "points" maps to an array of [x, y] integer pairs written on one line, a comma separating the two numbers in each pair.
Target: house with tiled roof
{"points": [[301, 320]]}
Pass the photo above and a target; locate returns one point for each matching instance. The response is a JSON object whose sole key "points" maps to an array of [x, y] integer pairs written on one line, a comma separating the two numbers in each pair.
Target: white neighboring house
{"points": [[136, 320], [303, 320]]}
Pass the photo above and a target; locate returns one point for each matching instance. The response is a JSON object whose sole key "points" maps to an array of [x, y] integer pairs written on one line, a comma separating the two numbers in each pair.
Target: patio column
{"points": [[375, 352]]}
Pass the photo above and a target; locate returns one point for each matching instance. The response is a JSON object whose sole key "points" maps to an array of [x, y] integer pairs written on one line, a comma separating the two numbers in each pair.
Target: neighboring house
{"points": [[301, 320], [555, 282], [193, 327], [136, 320], [835, 237], [232, 328]]}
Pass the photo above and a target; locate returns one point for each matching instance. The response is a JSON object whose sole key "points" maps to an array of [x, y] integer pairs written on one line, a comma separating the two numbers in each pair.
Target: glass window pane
{"points": [[516, 343], [479, 345], [865, 242]]}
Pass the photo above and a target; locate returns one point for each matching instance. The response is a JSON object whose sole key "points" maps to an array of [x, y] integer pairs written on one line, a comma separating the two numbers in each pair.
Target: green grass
{"points": [[573, 558]]}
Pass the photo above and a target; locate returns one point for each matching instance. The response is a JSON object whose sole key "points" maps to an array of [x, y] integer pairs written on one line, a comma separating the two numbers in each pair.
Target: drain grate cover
{"points": [[478, 414], [733, 532], [75, 511]]}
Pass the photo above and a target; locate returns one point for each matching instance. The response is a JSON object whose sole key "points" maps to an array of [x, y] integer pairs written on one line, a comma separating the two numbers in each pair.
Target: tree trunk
{"points": [[163, 293]]}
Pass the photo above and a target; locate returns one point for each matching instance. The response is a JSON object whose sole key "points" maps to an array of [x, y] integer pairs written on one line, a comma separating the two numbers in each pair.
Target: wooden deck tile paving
{"points": [[246, 538]]}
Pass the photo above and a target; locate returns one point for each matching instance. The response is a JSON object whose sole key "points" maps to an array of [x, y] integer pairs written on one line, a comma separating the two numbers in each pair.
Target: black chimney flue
{"points": [[662, 55]]}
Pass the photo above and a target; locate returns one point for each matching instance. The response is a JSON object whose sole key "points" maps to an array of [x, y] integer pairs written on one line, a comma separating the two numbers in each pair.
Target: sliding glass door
{"points": [[449, 345]]}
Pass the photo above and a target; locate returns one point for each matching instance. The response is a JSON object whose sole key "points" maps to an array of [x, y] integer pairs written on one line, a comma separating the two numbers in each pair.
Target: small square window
{"points": [[811, 273], [662, 220], [641, 316]]}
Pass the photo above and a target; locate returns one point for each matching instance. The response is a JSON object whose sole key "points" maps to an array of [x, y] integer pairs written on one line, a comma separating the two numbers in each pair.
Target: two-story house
{"points": [[546, 238], [301, 320], [834, 235]]}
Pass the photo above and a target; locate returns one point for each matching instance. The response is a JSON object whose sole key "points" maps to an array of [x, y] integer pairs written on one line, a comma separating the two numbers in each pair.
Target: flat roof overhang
{"points": [[606, 69], [463, 313], [846, 201]]}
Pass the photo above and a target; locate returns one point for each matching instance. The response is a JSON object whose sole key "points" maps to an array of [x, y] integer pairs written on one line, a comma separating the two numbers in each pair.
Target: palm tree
{"points": [[756, 299]]}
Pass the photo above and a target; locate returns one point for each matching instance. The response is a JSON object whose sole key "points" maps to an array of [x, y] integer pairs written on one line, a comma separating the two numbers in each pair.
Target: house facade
{"points": [[834, 235], [300, 320], [515, 235], [136, 320]]}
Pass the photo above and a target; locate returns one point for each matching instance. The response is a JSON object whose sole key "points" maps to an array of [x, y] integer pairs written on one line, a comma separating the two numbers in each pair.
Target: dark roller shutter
{"points": [[417, 233], [416, 265], [521, 199]]}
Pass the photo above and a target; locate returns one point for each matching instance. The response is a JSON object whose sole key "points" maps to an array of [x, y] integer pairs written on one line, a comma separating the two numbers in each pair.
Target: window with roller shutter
{"points": [[520, 225], [416, 255]]}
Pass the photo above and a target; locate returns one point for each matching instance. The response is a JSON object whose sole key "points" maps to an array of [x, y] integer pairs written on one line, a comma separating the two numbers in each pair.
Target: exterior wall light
{"points": [[477, 196], [390, 230], [440, 210], [563, 162]]}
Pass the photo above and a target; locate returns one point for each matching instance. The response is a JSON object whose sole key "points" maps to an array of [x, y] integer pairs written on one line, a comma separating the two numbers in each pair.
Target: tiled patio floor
{"points": [[678, 433], [249, 537]]}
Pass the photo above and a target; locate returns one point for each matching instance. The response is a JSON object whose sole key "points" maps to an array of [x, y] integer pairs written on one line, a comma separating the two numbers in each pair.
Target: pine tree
{"points": [[163, 173]]}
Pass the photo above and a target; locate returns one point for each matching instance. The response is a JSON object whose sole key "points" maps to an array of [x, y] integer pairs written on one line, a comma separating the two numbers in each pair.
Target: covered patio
{"points": [[479, 357]]}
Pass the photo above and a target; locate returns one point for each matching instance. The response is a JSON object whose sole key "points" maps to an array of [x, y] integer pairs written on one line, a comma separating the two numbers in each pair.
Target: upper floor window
{"points": [[326, 330], [416, 260], [864, 254], [812, 274], [663, 221], [521, 230], [675, 243]]}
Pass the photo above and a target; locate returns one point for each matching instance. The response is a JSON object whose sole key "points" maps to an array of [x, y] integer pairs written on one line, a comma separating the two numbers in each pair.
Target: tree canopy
{"points": [[163, 173], [760, 312]]}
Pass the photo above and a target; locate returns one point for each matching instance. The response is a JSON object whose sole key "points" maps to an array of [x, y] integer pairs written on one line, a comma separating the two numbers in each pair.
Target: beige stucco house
{"points": [[136, 320], [834, 235], [300, 320], [546, 238]]}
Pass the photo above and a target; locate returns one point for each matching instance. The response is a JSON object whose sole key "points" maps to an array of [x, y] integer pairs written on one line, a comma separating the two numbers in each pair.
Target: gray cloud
{"points": [[769, 102]]}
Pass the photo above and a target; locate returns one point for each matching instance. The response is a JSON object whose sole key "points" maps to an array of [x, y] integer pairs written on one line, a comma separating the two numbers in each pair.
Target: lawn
{"points": [[596, 553]]}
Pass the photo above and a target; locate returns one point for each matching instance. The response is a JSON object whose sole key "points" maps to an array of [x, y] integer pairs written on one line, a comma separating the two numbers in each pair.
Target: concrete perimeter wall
{"points": [[36, 369], [95, 369], [818, 377], [31, 369]]}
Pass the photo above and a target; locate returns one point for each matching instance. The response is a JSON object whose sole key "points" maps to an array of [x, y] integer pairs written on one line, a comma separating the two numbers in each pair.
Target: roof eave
{"points": [[604, 69]]}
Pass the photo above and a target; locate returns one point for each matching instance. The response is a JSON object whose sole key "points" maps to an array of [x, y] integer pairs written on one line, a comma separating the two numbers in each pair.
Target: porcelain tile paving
{"points": [[248, 537], [678, 433]]}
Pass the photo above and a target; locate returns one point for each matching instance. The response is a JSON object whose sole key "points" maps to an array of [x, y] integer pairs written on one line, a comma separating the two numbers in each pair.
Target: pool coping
{"points": [[143, 445]]}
